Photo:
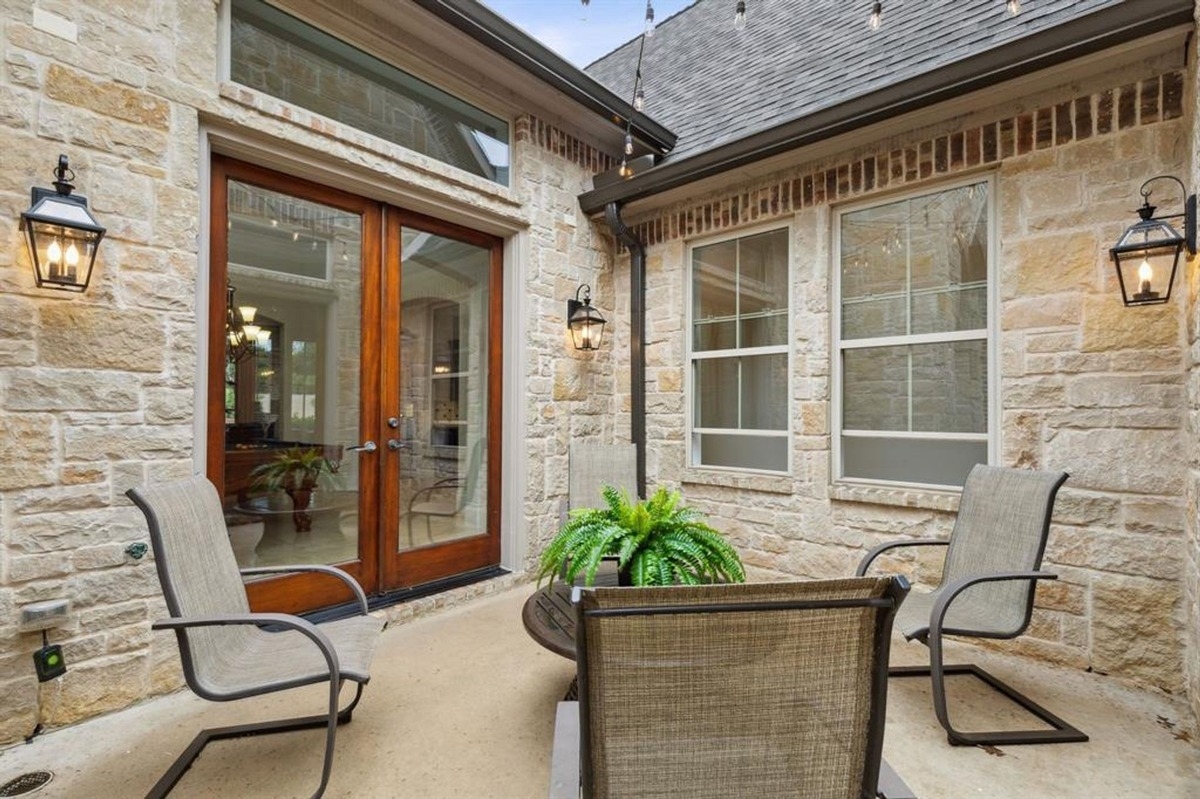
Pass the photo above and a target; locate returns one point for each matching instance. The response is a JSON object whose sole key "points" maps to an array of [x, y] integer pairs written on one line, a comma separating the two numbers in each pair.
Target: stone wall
{"points": [[98, 391], [569, 394], [1191, 559], [1086, 385]]}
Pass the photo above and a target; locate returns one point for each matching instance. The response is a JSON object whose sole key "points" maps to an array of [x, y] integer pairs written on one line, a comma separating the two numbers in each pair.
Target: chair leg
{"points": [[1061, 732], [329, 720]]}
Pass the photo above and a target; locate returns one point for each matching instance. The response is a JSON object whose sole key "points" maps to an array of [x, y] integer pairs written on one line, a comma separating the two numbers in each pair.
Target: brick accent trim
{"points": [[537, 131], [1137, 104]]}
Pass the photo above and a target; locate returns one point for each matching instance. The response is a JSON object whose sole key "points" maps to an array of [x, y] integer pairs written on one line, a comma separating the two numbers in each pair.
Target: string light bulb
{"points": [[649, 18], [639, 99], [739, 16], [1014, 7], [628, 144], [876, 15], [624, 171]]}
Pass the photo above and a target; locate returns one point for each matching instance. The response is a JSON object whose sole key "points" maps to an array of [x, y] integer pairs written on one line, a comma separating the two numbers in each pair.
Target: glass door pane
{"points": [[292, 377], [444, 355]]}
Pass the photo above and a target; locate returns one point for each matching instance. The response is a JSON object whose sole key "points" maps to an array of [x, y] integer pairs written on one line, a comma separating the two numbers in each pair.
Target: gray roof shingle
{"points": [[712, 84]]}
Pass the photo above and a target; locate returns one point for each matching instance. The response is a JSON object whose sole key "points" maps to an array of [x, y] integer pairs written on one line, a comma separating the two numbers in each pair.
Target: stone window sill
{"points": [[766, 483], [896, 496]]}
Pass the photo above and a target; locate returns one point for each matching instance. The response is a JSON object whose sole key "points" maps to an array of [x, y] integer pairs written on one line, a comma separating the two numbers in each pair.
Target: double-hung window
{"points": [[914, 370], [739, 353]]}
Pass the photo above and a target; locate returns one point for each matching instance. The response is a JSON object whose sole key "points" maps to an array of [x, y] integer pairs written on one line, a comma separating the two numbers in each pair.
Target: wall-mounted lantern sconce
{"points": [[585, 322], [1147, 256], [61, 233]]}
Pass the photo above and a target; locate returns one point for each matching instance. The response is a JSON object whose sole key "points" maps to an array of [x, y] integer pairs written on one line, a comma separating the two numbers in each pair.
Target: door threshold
{"points": [[402, 595]]}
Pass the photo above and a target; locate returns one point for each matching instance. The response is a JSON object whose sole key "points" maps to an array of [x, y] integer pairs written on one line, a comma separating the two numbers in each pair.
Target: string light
{"points": [[876, 15], [639, 99], [739, 16], [1014, 7], [649, 18]]}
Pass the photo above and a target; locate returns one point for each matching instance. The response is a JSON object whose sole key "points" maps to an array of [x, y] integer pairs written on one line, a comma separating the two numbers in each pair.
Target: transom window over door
{"points": [[913, 342], [739, 353], [278, 54]]}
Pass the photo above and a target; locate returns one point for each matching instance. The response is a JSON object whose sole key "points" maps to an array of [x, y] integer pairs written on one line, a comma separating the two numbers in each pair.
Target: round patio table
{"points": [[549, 616]]}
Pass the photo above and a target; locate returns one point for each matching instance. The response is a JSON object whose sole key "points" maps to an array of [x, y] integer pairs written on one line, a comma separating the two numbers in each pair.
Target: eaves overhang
{"points": [[497, 34], [1079, 37]]}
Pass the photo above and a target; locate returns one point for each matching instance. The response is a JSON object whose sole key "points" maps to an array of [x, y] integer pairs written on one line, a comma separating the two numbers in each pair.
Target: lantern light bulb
{"points": [[54, 252], [1145, 274], [72, 256]]}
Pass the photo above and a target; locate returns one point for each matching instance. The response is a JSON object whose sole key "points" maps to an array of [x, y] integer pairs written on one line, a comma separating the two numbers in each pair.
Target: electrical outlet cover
{"points": [[49, 662]]}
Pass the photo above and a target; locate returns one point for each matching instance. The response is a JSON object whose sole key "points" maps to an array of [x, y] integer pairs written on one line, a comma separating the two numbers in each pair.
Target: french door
{"points": [[354, 387]]}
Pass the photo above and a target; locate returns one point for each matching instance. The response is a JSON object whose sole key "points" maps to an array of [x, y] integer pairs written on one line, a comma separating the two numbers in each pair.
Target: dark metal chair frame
{"points": [[572, 761], [274, 621], [1061, 731]]}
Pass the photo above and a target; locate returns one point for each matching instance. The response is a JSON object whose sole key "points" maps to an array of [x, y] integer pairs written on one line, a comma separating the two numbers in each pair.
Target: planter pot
{"points": [[301, 499]]}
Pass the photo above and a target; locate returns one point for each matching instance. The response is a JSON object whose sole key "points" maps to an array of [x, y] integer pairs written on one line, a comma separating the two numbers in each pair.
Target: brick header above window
{"points": [[1132, 105]]}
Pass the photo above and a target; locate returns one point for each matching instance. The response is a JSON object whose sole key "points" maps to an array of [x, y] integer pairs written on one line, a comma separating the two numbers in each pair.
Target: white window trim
{"points": [[690, 356], [990, 334]]}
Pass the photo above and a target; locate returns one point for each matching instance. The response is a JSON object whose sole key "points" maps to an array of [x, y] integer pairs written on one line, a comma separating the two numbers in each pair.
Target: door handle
{"points": [[395, 444], [366, 446]]}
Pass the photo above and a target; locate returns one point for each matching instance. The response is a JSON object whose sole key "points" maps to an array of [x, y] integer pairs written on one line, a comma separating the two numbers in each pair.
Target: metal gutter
{"points": [[500, 36], [1079, 37], [637, 337]]}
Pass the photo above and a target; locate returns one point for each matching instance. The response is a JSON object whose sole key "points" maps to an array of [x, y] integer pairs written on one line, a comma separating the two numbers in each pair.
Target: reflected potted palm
{"points": [[298, 471]]}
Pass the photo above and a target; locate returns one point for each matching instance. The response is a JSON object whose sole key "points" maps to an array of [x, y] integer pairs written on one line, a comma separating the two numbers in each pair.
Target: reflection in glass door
{"points": [[446, 344], [354, 384], [292, 370]]}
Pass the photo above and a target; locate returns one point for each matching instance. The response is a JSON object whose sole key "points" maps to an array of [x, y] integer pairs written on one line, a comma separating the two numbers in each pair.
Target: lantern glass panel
{"points": [[1147, 274]]}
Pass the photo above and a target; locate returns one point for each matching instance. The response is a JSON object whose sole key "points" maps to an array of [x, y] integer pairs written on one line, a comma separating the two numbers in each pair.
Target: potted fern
{"points": [[297, 471], [658, 541]]}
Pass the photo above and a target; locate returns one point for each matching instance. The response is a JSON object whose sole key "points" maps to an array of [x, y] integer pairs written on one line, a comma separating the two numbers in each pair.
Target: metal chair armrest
{"points": [[302, 626], [876, 551], [332, 571], [564, 757], [440, 485], [952, 589]]}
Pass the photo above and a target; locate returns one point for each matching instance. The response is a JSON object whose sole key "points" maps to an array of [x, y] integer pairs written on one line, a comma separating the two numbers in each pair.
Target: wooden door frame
{"points": [[289, 594]]}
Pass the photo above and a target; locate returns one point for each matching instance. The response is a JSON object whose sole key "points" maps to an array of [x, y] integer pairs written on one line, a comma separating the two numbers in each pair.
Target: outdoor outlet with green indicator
{"points": [[49, 662]]}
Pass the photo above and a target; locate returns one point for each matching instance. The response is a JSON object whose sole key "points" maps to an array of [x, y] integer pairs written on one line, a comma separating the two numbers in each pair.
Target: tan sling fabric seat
{"points": [[991, 569], [770, 689], [229, 652]]}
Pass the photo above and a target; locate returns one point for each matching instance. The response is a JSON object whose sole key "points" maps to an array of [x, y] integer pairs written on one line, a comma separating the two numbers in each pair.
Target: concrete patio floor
{"points": [[461, 704]]}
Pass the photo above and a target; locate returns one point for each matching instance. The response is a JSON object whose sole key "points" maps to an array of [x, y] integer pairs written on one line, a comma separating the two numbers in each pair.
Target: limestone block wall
{"points": [[569, 394], [1191, 559], [1086, 385], [97, 391]]}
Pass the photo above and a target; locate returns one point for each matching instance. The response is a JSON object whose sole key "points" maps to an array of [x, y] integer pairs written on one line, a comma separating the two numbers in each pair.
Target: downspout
{"points": [[637, 337]]}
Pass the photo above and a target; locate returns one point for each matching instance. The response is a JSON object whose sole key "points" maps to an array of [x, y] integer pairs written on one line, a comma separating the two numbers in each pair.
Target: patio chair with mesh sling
{"points": [[992, 565], [228, 652], [768, 689]]}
